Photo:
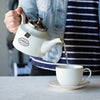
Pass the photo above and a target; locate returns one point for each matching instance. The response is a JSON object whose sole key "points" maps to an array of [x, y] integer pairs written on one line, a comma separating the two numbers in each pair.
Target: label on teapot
{"points": [[24, 42], [27, 35]]}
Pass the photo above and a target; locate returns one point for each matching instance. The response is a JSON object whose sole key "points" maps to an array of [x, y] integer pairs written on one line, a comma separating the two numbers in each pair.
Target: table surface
{"points": [[37, 88]]}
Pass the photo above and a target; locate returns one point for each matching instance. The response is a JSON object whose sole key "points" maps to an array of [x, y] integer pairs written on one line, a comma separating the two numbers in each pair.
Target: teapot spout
{"points": [[47, 45]]}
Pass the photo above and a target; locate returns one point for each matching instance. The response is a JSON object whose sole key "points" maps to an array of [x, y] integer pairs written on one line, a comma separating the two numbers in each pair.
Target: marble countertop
{"points": [[37, 88]]}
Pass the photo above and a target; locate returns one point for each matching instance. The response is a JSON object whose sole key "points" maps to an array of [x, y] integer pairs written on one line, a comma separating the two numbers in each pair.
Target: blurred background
{"points": [[12, 62]]}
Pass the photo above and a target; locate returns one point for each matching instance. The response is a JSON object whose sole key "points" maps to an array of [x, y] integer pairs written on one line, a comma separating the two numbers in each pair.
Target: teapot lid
{"points": [[38, 25]]}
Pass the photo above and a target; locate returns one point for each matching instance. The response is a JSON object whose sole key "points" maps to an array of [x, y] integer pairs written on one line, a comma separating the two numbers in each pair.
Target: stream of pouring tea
{"points": [[65, 52]]}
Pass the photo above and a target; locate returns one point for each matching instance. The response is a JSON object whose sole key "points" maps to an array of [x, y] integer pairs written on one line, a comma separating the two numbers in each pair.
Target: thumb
{"points": [[19, 10]]}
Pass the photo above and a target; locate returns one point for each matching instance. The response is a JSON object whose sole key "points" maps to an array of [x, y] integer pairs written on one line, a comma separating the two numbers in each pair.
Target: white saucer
{"points": [[57, 85]]}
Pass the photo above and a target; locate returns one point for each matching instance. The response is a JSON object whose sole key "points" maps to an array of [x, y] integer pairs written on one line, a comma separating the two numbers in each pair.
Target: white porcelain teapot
{"points": [[32, 41]]}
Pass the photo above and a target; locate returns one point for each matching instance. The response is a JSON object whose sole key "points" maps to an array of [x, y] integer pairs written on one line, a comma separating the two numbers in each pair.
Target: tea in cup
{"points": [[71, 75]]}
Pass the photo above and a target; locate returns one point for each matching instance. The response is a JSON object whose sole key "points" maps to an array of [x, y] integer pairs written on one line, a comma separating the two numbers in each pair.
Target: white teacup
{"points": [[71, 75]]}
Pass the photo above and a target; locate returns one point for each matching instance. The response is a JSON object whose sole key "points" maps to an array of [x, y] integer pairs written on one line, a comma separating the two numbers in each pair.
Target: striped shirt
{"points": [[81, 37]]}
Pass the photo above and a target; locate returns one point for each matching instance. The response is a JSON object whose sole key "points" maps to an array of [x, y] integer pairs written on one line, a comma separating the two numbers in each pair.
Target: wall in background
{"points": [[7, 57], [4, 69]]}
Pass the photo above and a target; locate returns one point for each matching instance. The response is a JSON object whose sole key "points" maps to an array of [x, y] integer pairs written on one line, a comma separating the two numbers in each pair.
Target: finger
{"points": [[11, 13], [12, 24], [12, 19], [13, 30]]}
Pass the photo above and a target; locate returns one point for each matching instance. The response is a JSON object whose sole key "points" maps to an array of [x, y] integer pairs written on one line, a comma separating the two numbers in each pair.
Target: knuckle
{"points": [[8, 13], [4, 21], [11, 13]]}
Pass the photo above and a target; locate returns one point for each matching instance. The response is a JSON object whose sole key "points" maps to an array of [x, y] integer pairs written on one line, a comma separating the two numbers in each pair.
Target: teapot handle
{"points": [[23, 18]]}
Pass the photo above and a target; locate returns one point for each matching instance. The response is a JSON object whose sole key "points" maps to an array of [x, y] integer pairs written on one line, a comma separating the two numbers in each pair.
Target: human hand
{"points": [[13, 19]]}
